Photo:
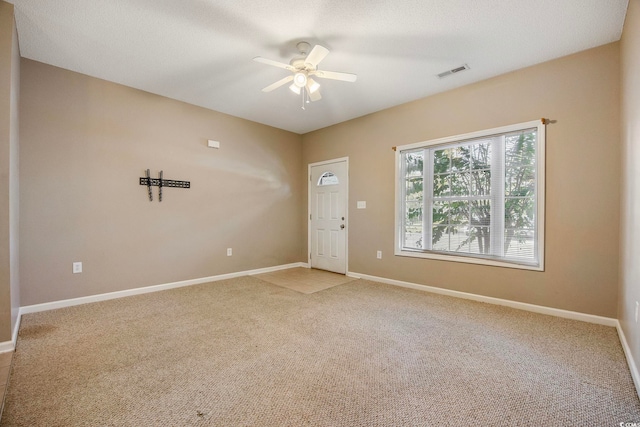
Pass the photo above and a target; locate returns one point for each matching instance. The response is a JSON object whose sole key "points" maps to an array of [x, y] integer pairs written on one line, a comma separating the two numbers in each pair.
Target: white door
{"points": [[328, 188]]}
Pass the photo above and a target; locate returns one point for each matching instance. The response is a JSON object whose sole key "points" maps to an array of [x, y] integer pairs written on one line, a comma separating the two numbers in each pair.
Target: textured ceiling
{"points": [[200, 51]]}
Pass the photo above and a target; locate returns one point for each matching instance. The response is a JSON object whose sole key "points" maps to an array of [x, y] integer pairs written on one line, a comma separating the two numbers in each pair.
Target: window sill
{"points": [[469, 260]]}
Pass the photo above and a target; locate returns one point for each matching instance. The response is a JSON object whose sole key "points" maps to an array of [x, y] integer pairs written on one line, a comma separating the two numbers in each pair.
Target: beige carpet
{"points": [[305, 280], [244, 352]]}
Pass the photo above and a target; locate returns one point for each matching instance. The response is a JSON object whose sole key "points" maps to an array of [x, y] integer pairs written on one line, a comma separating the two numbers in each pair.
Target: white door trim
{"points": [[346, 209]]}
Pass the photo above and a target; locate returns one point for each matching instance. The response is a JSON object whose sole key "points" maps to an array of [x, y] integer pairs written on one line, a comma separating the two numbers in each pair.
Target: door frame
{"points": [[346, 210]]}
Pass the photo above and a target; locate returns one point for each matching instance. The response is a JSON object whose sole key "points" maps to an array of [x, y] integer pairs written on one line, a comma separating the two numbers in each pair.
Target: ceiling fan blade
{"points": [[278, 84], [274, 63], [316, 55], [334, 75], [315, 95]]}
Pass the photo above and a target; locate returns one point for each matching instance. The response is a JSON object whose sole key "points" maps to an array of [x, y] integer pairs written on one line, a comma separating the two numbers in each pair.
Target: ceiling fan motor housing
{"points": [[303, 48], [299, 64]]}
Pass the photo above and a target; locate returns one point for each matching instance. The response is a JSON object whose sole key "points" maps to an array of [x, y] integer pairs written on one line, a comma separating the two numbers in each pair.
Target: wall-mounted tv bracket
{"points": [[160, 182]]}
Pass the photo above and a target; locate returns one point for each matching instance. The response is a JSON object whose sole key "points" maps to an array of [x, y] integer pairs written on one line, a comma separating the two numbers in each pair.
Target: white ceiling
{"points": [[200, 51]]}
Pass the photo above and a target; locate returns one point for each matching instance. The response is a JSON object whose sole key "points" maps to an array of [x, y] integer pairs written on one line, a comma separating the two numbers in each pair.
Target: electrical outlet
{"points": [[379, 254], [77, 267], [637, 306], [229, 251]]}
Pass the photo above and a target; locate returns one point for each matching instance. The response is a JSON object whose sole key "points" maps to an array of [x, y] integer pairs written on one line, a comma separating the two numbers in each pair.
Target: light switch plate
{"points": [[77, 267], [361, 204]]}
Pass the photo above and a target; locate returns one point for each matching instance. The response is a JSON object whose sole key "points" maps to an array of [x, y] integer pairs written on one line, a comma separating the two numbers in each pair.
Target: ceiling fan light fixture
{"points": [[300, 79], [312, 85], [302, 69], [294, 88]]}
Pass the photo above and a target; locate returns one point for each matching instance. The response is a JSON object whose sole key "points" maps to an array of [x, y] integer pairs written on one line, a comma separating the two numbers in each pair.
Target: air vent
{"points": [[453, 71]]}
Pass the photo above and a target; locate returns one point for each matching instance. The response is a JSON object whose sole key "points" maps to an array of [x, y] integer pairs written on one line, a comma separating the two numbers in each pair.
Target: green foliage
{"points": [[462, 172]]}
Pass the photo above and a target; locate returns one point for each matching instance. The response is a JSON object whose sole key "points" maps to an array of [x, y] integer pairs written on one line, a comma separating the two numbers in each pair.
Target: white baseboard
{"points": [[590, 318], [627, 352], [8, 346], [147, 289]]}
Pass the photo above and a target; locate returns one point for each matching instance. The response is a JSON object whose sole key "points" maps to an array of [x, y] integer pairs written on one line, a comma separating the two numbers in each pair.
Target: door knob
{"points": [[342, 226]]}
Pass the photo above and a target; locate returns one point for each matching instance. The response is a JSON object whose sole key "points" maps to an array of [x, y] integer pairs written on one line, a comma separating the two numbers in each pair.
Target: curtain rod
{"points": [[543, 120]]}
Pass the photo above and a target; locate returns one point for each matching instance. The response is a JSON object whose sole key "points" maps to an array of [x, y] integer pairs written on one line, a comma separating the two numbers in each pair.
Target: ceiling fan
{"points": [[303, 69]]}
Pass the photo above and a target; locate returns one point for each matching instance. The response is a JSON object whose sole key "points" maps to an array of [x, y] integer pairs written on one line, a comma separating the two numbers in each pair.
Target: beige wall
{"points": [[630, 215], [9, 202], [84, 144], [580, 93], [14, 180]]}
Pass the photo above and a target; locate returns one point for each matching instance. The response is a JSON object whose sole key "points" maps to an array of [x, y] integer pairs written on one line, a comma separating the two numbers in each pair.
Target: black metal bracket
{"points": [[160, 182], [155, 182]]}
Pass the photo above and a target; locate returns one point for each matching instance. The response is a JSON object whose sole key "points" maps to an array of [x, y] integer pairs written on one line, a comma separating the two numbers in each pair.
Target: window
{"points": [[328, 178], [475, 198]]}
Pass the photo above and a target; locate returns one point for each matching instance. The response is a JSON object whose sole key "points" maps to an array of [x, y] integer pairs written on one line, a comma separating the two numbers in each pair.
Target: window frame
{"points": [[475, 258]]}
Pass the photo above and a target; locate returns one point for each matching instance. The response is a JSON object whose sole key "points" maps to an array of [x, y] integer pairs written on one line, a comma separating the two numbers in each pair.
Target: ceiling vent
{"points": [[453, 71]]}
